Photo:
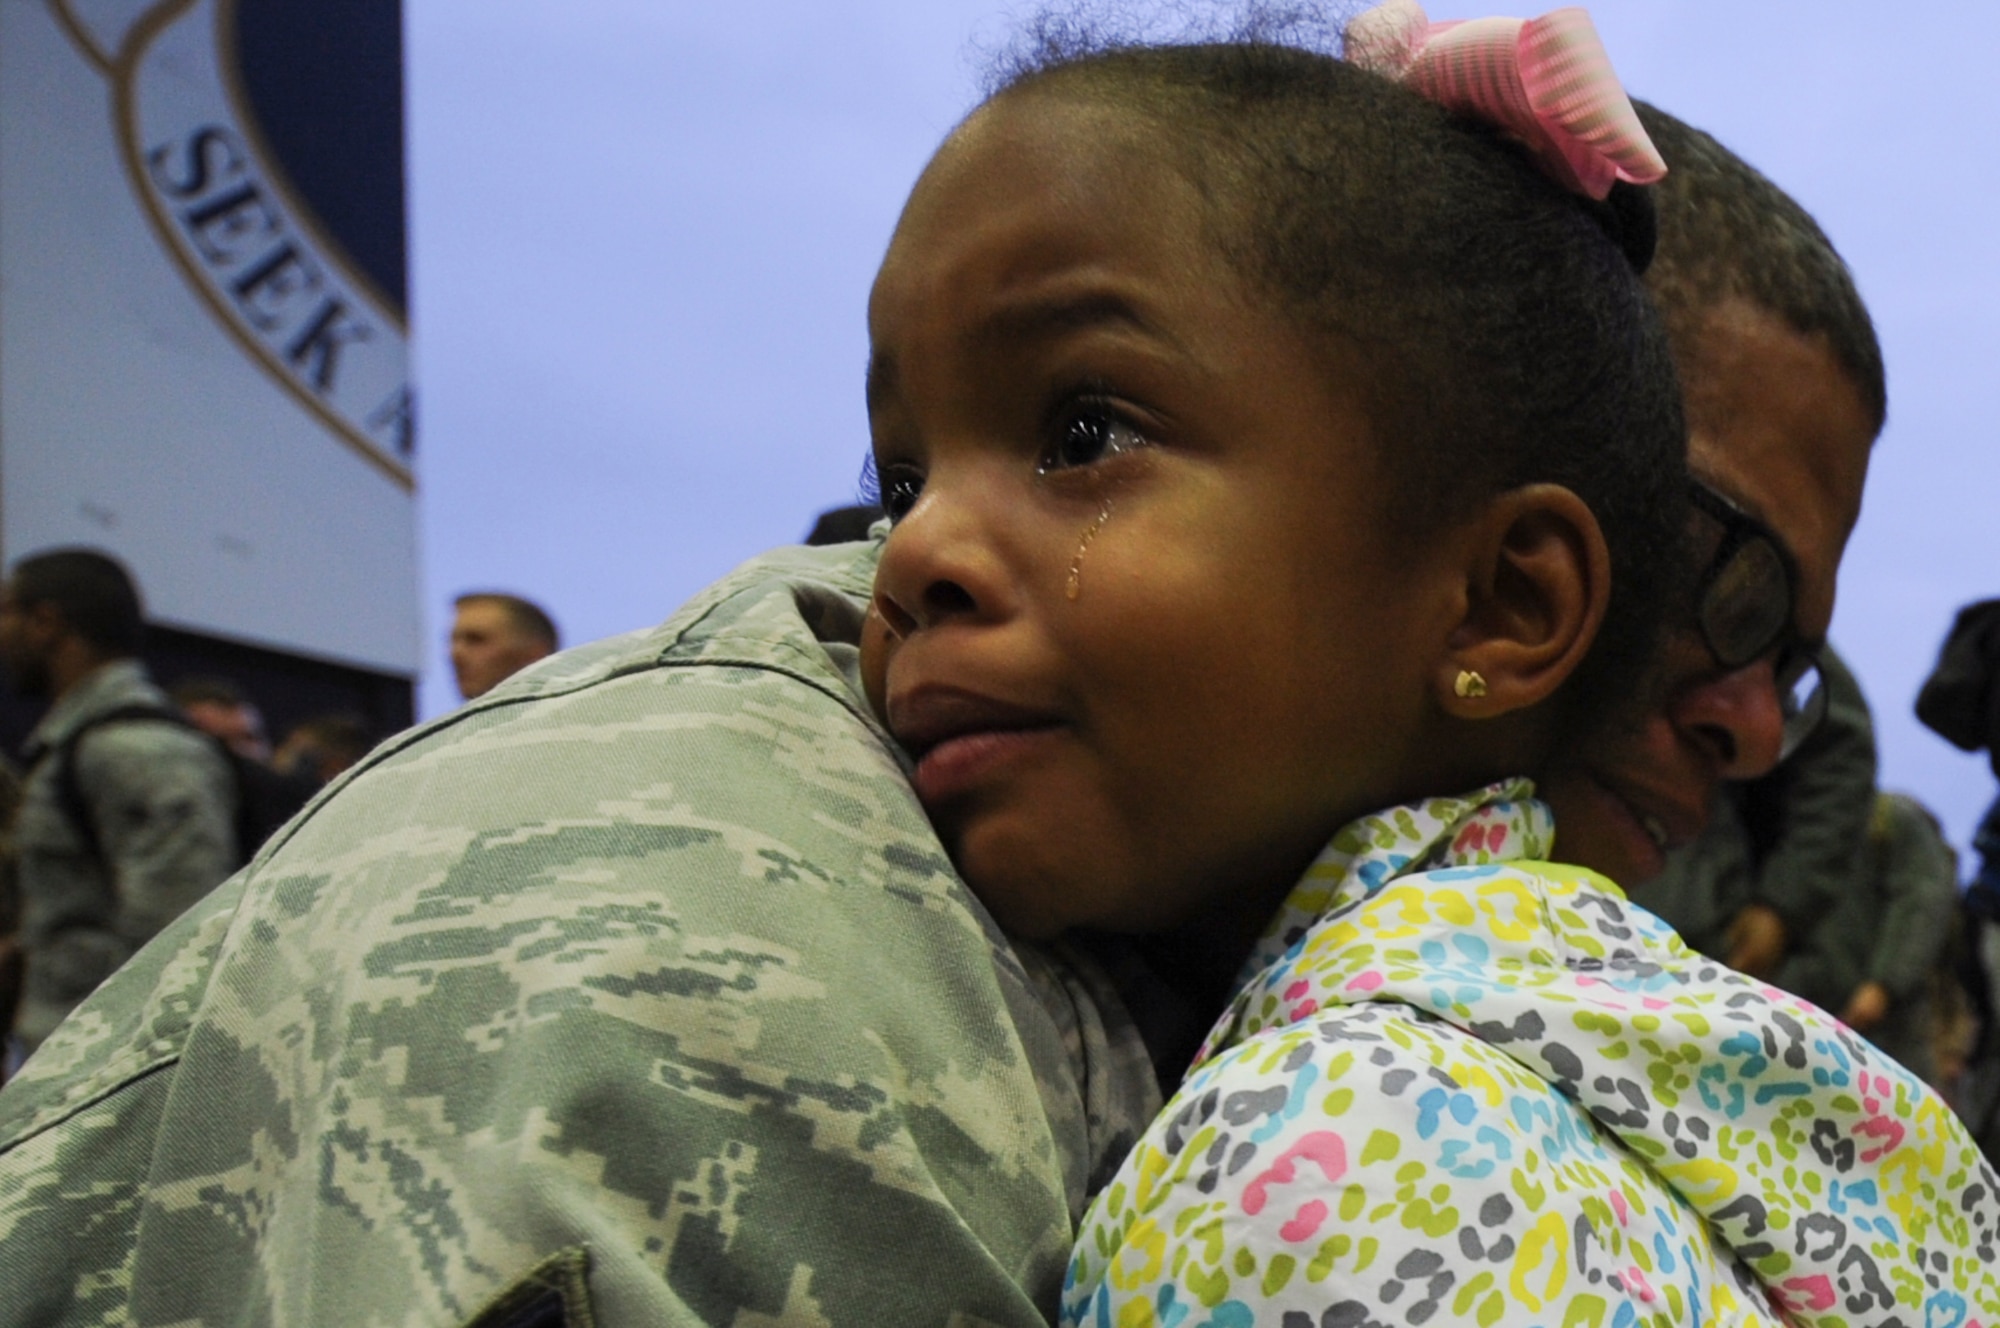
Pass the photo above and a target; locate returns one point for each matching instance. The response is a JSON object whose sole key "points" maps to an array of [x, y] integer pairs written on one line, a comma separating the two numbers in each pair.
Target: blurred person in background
{"points": [[266, 793], [494, 636], [128, 814], [219, 708], [323, 747], [844, 525], [1884, 944], [1960, 702]]}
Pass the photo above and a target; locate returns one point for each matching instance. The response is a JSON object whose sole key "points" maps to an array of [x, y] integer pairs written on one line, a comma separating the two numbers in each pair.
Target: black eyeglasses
{"points": [[1745, 605]]}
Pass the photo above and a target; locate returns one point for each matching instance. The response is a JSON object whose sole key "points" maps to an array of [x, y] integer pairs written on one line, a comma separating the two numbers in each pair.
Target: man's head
{"points": [[219, 708], [1785, 394], [323, 747], [495, 636], [64, 612]]}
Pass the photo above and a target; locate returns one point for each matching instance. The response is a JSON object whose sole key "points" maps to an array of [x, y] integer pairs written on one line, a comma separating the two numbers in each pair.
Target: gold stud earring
{"points": [[1470, 685]]}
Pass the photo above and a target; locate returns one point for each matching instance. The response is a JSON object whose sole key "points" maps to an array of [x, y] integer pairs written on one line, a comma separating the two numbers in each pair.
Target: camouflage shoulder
{"points": [[135, 1023], [751, 617], [749, 614]]}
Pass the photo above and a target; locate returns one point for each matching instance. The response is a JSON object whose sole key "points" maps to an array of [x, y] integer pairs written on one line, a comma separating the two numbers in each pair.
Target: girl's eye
{"points": [[1087, 434], [901, 485]]}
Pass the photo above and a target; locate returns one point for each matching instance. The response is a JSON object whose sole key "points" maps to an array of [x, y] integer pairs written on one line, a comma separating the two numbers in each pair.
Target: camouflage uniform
{"points": [[639, 991], [1891, 930], [164, 805]]}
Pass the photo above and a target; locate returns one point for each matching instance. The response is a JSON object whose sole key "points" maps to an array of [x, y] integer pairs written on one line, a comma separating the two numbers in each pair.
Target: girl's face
{"points": [[1138, 621]]}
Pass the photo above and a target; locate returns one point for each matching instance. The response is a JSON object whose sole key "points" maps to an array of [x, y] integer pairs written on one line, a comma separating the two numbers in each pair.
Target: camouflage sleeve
{"points": [[163, 802], [657, 992], [78, 1127]]}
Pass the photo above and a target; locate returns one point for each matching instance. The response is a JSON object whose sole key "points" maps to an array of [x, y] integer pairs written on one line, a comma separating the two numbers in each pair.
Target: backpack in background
{"points": [[265, 799]]}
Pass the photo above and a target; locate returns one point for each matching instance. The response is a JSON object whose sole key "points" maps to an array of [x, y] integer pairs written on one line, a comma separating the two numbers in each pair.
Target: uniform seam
{"points": [[156, 1055], [401, 742], [838, 693]]}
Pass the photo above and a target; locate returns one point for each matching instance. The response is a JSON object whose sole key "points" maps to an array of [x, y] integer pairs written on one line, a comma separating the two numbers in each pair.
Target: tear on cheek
{"points": [[1074, 589]]}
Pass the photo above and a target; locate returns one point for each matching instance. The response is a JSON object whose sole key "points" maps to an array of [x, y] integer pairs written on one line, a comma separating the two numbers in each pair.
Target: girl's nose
{"points": [[940, 565]]}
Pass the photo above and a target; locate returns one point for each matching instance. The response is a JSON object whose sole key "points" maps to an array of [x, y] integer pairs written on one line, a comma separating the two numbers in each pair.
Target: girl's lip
{"points": [[927, 716], [955, 766], [959, 737]]}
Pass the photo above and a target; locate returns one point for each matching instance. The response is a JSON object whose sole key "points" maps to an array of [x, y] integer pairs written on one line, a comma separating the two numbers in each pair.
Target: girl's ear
{"points": [[1537, 584]]}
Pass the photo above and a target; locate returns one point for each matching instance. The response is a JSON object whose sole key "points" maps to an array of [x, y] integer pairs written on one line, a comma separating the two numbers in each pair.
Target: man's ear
{"points": [[1537, 583]]}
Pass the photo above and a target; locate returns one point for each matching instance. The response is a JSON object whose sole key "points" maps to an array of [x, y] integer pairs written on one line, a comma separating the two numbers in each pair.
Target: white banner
{"points": [[222, 208], [194, 372]]}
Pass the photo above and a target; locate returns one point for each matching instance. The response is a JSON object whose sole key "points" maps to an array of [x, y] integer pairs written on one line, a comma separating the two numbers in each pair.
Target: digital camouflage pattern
{"points": [[638, 990], [164, 805]]}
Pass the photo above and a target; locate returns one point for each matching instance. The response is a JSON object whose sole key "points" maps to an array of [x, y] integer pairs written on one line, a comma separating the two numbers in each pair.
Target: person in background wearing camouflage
{"points": [[156, 799], [1889, 942], [637, 991]]}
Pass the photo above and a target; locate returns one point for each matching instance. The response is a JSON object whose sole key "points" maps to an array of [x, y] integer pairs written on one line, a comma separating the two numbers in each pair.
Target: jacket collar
{"points": [[1499, 823], [119, 682]]}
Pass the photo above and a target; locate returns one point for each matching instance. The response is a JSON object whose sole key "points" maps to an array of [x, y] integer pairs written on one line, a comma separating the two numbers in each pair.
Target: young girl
{"points": [[1261, 441]]}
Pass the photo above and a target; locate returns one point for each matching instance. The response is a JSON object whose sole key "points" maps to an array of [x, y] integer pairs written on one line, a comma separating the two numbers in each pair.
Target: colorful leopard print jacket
{"points": [[1468, 1086]]}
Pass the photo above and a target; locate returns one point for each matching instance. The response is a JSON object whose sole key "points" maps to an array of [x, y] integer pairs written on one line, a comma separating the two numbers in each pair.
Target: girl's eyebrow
{"points": [[1034, 318], [1061, 312]]}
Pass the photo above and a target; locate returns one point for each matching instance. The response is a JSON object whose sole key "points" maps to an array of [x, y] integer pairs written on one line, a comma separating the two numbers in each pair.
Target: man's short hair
{"points": [[206, 688], [844, 525], [1727, 232], [528, 617], [347, 737], [93, 592]]}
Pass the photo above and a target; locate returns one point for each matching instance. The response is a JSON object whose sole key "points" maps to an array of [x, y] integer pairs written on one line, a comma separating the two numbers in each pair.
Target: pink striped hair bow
{"points": [[1547, 80]]}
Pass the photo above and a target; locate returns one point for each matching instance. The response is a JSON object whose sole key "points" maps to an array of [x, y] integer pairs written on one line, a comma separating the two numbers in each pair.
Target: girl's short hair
{"points": [[1494, 327]]}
